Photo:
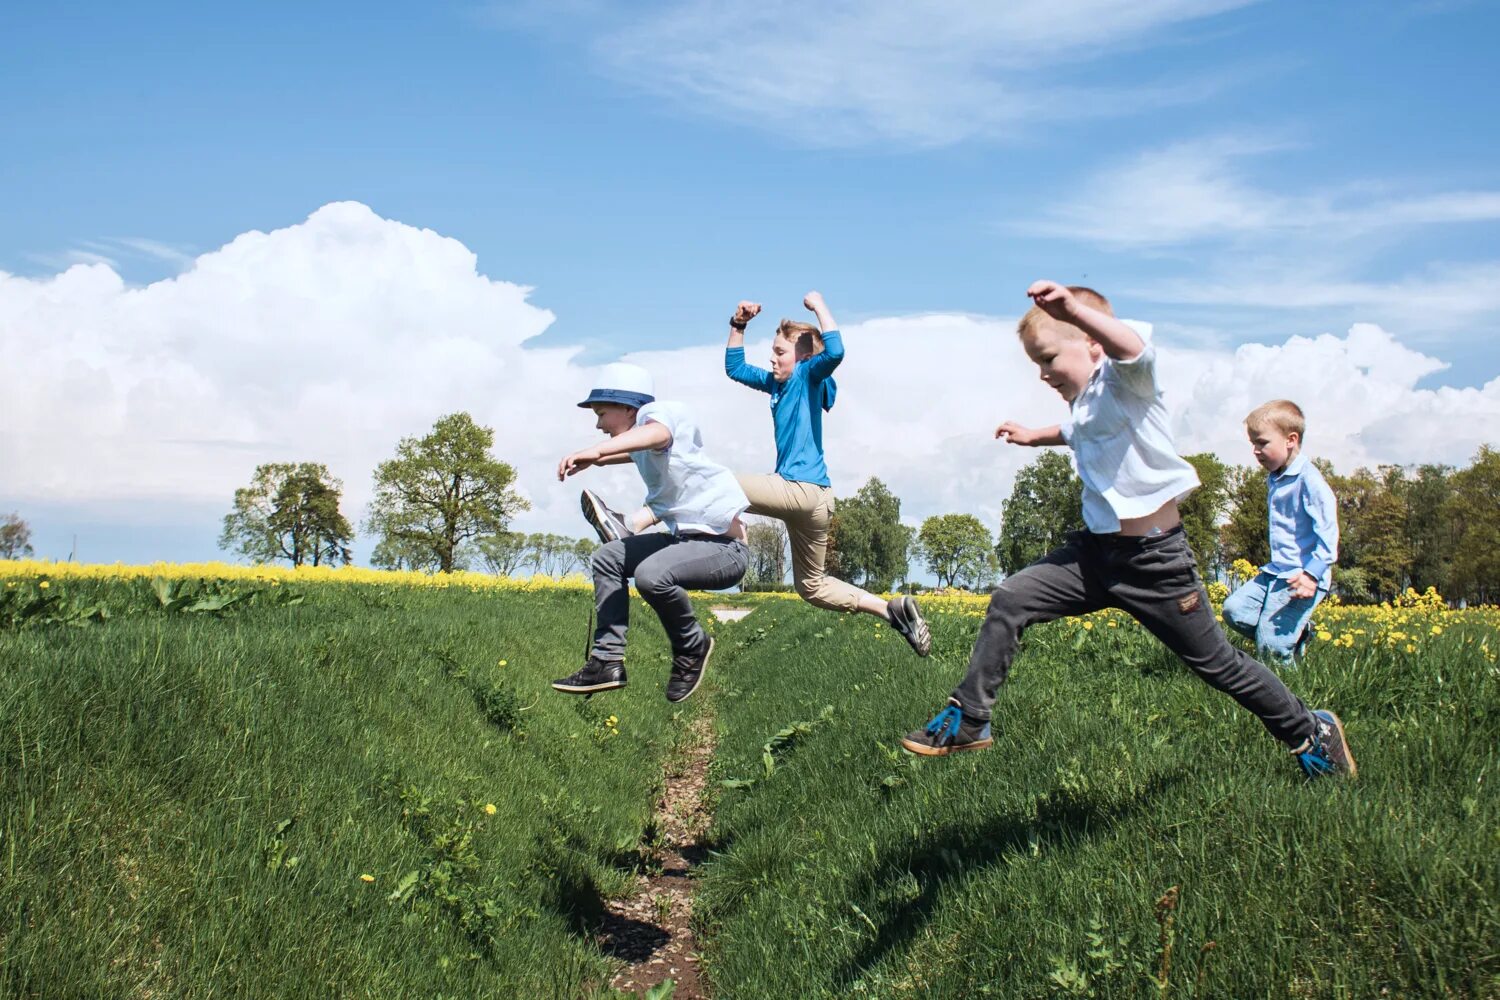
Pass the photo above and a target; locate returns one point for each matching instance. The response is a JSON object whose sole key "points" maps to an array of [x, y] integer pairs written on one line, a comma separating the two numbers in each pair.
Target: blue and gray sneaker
{"points": [[1326, 752], [950, 731], [609, 524]]}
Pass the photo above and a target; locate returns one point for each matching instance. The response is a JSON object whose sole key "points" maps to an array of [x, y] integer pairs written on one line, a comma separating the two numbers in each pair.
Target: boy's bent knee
{"points": [[608, 558]]}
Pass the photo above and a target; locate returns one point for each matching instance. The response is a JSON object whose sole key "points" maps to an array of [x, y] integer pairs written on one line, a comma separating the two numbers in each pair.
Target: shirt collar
{"points": [[1293, 468]]}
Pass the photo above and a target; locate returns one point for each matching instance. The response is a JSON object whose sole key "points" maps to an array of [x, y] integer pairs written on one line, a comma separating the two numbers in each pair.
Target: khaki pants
{"points": [[807, 510]]}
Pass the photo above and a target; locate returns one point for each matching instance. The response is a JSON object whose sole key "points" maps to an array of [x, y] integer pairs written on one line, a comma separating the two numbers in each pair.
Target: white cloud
{"points": [[831, 72], [1195, 191], [329, 340]]}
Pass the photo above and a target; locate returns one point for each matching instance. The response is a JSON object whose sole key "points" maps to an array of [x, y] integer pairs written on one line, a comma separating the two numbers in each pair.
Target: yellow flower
{"points": [[1088, 624], [1113, 623], [367, 878], [1437, 630], [502, 663], [1410, 648], [614, 720], [1325, 636], [489, 808], [44, 585]]}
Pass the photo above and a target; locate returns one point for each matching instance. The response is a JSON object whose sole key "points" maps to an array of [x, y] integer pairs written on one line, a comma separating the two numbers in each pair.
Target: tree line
{"points": [[444, 502], [1418, 527]]}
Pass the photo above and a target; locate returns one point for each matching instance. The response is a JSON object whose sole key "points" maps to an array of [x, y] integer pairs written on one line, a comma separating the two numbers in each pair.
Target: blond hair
{"points": [[1035, 317], [806, 339], [1282, 414]]}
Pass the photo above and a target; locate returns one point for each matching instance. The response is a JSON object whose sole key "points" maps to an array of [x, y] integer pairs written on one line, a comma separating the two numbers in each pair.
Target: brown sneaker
{"points": [[950, 731]]}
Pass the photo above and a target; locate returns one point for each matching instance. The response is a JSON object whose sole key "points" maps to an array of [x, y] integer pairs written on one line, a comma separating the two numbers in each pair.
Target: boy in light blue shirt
{"points": [[1274, 608]]}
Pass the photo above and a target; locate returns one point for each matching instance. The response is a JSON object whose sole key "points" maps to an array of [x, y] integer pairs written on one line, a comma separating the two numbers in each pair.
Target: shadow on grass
{"points": [[946, 860]]}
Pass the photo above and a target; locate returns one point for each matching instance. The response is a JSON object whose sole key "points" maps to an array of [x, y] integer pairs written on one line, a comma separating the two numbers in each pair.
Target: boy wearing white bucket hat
{"points": [[703, 548]]}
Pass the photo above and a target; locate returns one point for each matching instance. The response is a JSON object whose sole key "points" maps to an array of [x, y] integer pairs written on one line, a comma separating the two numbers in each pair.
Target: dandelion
{"points": [[1410, 648], [489, 808], [1088, 625], [367, 878], [1113, 623], [614, 720], [1437, 630], [44, 585], [502, 663], [1324, 635]]}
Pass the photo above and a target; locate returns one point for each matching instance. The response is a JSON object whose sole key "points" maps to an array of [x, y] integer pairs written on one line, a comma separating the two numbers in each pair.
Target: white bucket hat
{"points": [[622, 383]]}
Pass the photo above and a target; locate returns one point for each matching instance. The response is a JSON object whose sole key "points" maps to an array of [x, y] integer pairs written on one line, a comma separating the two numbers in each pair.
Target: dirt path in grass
{"points": [[652, 930]]}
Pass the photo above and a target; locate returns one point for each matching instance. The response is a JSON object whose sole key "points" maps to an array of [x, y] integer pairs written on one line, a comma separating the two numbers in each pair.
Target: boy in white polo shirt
{"points": [[703, 548], [1274, 608], [1134, 555]]}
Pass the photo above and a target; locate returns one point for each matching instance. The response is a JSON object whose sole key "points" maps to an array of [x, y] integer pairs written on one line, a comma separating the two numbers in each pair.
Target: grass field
{"points": [[282, 787]]}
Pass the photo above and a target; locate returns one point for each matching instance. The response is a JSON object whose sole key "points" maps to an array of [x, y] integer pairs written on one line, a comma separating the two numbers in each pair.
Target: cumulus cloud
{"points": [[330, 339]]}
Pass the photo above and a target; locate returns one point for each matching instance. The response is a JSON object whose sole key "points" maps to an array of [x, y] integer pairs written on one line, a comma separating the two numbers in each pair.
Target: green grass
{"points": [[1034, 868], [187, 802]]}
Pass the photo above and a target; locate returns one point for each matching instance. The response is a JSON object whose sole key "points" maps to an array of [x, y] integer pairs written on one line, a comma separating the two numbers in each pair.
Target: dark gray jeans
{"points": [[664, 566], [1154, 580]]}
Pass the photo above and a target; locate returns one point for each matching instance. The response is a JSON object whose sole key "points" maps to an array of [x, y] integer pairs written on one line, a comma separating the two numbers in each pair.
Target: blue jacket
{"points": [[797, 406]]}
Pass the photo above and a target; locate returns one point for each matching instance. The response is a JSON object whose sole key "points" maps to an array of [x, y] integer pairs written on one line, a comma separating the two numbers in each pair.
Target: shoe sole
{"points": [[1338, 724], [587, 688], [601, 526], [701, 671], [927, 750], [923, 645]]}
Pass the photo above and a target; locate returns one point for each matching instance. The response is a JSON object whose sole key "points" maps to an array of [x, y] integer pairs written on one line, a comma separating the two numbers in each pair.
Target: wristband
{"points": [[738, 326]]}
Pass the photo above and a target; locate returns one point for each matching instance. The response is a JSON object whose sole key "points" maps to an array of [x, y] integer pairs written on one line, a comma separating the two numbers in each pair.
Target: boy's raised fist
{"points": [[813, 301], [745, 312], [1053, 299]]}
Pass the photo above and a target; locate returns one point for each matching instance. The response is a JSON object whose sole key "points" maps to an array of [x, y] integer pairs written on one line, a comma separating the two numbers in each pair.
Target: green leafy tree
{"points": [[443, 490], [1203, 508], [502, 553], [289, 511], [958, 550], [869, 542], [1372, 528], [583, 555], [402, 554], [1475, 508], [15, 537], [554, 555], [1246, 534], [1044, 505], [768, 557], [1433, 535]]}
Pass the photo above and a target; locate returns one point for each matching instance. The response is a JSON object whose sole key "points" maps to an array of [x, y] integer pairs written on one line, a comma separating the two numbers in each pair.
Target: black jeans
{"points": [[1154, 580]]}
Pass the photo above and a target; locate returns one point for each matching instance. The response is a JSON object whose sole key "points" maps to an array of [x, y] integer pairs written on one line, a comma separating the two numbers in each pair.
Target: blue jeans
{"points": [[1265, 610]]}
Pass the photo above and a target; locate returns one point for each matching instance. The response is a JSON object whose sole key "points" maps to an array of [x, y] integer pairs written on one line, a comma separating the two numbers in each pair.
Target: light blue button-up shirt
{"points": [[1304, 522]]}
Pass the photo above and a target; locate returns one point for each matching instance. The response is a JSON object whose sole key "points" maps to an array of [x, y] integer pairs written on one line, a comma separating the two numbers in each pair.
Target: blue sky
{"points": [[1234, 172]]}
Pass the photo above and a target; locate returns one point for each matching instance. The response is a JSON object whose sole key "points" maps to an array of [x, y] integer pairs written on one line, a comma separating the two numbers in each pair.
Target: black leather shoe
{"points": [[687, 672], [596, 675]]}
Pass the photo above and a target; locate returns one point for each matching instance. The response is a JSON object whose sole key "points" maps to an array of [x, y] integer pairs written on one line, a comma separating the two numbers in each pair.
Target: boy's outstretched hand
{"points": [[745, 312], [813, 301], [1013, 433], [577, 462], [1053, 299]]}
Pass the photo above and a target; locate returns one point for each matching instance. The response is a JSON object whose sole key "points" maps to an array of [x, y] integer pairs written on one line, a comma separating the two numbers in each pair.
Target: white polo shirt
{"points": [[685, 489], [1122, 444]]}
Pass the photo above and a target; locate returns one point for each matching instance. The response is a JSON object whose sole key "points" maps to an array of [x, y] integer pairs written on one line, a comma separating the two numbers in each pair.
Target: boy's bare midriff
{"points": [[1164, 518]]}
